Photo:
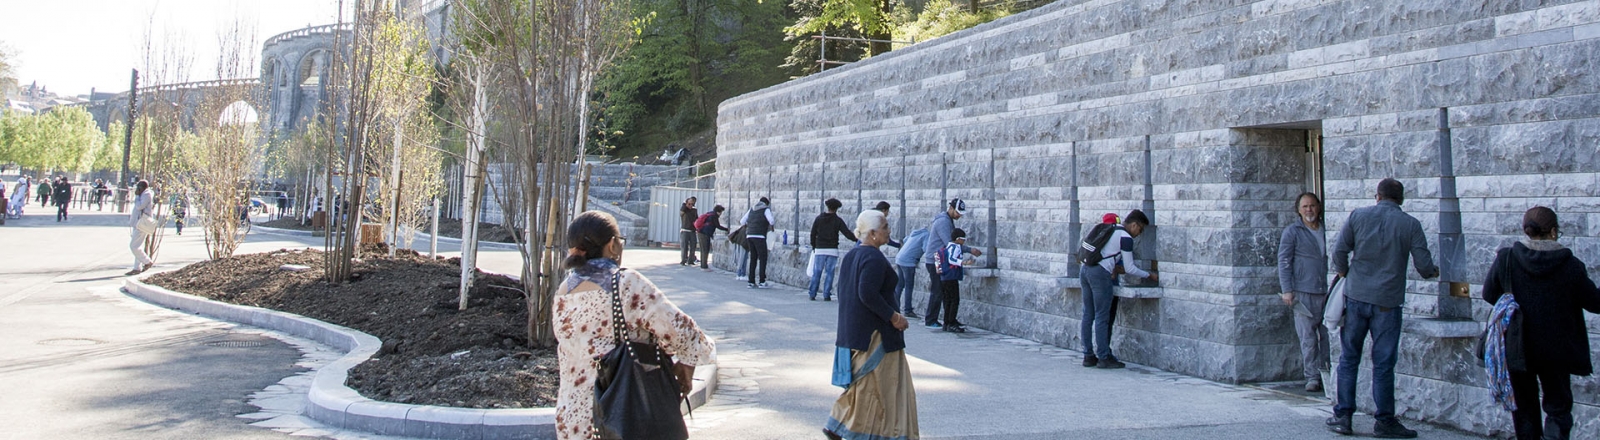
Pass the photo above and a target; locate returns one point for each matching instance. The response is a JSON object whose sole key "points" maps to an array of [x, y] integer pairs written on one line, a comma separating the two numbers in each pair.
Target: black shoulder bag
{"points": [[635, 394]]}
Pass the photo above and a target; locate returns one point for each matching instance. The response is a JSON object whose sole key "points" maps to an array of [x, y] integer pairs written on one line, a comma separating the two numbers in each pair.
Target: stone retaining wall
{"points": [[1201, 113]]}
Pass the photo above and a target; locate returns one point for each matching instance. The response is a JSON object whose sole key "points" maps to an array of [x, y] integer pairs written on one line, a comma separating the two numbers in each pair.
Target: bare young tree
{"points": [[158, 124], [402, 76], [219, 167], [546, 54]]}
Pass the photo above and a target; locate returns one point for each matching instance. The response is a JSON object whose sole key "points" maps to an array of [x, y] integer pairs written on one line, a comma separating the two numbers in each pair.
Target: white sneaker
{"points": [[763, 285]]}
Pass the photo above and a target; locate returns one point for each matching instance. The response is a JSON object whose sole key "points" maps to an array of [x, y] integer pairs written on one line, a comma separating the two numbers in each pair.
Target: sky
{"points": [[70, 46]]}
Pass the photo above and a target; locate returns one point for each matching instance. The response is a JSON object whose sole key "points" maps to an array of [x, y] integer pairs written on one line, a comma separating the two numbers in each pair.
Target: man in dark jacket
{"points": [[44, 191], [757, 223], [687, 240], [1380, 237], [1552, 289], [62, 195], [708, 230], [825, 232]]}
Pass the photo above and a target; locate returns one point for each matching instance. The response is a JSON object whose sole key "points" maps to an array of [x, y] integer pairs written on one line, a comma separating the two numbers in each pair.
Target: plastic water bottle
{"points": [[786, 238]]}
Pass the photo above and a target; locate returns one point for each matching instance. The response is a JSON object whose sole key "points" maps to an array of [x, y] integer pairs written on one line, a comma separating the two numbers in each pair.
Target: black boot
{"points": [[1340, 424], [1391, 429]]}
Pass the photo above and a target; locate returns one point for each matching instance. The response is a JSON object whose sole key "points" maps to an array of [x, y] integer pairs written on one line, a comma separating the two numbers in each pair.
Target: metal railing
{"points": [[822, 48], [310, 30]]}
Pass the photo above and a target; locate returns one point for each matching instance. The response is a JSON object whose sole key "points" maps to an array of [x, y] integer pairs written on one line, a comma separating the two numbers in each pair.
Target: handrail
{"points": [[189, 85], [309, 30]]}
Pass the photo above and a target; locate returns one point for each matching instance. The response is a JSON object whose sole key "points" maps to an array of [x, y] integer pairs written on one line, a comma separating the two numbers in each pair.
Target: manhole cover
{"points": [[236, 344], [71, 341]]}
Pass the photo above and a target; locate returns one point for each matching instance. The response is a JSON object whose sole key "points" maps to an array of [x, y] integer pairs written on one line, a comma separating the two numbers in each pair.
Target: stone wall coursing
{"points": [[1218, 100]]}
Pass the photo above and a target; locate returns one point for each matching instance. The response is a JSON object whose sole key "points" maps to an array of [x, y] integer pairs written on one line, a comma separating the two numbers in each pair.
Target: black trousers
{"points": [[935, 293], [705, 248], [1557, 389], [952, 301], [758, 258], [61, 211]]}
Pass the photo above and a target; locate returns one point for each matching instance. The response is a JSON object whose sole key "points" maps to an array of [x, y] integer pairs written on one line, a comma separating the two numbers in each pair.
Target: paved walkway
{"points": [[146, 372]]}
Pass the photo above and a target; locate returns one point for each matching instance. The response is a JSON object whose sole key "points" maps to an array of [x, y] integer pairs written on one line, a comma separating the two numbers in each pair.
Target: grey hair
{"points": [[870, 220]]}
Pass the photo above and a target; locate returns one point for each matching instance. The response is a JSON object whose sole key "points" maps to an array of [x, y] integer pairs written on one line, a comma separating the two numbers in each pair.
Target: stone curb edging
{"points": [[423, 236], [330, 401], [420, 236], [280, 231]]}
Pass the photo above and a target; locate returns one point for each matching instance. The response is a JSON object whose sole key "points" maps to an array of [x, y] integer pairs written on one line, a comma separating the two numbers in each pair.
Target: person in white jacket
{"points": [[143, 206]]}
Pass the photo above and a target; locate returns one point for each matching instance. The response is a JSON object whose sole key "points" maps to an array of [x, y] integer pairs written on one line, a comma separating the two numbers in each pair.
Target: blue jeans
{"points": [[1384, 323], [908, 278], [744, 257], [823, 266], [1095, 326]]}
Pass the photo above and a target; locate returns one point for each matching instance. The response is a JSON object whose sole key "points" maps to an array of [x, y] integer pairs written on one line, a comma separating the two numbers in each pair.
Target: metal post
{"points": [[1454, 298], [822, 52], [433, 232], [127, 142], [901, 222], [1075, 223], [994, 204]]}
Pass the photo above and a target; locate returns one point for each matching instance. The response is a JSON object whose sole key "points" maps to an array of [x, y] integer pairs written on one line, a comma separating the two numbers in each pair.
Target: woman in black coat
{"points": [[1552, 289]]}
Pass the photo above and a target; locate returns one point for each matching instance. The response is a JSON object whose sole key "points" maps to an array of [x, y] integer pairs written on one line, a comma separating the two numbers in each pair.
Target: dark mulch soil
{"points": [[432, 355], [486, 231], [286, 223]]}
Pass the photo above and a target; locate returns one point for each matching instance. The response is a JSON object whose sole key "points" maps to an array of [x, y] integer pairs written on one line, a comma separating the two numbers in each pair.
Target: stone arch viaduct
{"points": [[289, 92]]}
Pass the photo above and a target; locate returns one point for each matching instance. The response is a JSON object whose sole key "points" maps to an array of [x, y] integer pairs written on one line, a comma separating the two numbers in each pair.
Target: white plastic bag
{"points": [[1333, 316]]}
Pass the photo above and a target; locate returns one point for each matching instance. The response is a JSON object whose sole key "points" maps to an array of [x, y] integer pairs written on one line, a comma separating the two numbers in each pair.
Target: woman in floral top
{"points": [[583, 320]]}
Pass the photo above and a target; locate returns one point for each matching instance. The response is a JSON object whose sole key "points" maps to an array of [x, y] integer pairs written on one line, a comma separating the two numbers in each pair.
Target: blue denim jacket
{"points": [[1380, 237]]}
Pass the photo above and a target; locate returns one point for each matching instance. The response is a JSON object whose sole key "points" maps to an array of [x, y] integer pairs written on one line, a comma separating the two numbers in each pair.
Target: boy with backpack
{"points": [[1099, 253], [948, 262]]}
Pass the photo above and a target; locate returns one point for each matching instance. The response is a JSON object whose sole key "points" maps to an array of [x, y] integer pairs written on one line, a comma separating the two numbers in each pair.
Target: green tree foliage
{"points": [[690, 56], [906, 21], [870, 18], [64, 139], [939, 18]]}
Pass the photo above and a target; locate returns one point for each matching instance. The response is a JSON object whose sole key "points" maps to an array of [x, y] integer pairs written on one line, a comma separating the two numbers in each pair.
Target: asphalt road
{"points": [[79, 360]]}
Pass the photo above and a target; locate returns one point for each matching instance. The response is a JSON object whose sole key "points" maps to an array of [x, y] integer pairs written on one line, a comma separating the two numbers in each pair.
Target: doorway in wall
{"points": [[1314, 175]]}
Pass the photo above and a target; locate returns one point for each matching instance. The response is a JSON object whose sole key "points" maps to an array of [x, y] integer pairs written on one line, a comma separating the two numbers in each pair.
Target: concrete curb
{"points": [[331, 402], [424, 237], [278, 231]]}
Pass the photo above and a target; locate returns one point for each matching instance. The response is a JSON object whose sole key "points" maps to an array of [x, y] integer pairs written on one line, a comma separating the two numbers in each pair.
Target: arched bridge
{"points": [[200, 100], [291, 90]]}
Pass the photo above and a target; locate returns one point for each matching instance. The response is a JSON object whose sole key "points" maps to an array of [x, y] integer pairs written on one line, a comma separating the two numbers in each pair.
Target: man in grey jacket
{"points": [[1380, 237], [1303, 275], [939, 231]]}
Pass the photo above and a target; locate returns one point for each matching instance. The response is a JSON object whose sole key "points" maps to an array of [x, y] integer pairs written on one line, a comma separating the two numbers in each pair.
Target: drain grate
{"points": [[236, 344], [71, 341]]}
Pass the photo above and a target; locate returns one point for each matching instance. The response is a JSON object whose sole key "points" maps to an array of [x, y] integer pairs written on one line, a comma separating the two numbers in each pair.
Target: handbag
{"points": [[146, 225], [636, 395]]}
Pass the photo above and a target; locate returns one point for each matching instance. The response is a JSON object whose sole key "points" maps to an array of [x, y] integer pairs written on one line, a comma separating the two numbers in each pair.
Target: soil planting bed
{"points": [[432, 353]]}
